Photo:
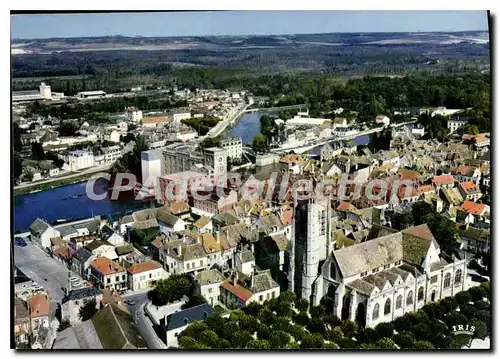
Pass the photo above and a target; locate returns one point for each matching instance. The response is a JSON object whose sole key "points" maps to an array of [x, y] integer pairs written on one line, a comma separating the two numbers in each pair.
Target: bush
{"points": [[194, 330], [263, 331], [367, 335], [348, 327], [253, 308], [297, 332], [240, 338], [316, 325], [481, 329], [259, 344], [282, 323], [302, 305], [463, 298], [385, 330], [209, 338], [312, 341], [301, 319], [405, 340], [478, 293], [422, 344], [334, 335], [279, 339], [288, 297], [170, 290]]}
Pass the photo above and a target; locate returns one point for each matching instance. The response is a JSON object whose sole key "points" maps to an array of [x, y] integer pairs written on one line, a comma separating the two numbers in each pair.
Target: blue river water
{"points": [[71, 202], [67, 202]]}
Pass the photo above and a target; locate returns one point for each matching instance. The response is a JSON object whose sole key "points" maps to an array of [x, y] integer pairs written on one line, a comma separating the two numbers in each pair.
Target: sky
{"points": [[242, 23]]}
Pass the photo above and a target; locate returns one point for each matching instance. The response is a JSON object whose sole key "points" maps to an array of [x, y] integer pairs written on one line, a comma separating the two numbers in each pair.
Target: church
{"points": [[374, 280]]}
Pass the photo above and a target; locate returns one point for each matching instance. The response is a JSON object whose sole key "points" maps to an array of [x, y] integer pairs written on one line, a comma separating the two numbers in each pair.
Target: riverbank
{"points": [[53, 184]]}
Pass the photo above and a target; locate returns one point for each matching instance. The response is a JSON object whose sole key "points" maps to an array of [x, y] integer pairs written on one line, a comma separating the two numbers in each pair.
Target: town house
{"points": [[105, 273], [145, 275]]}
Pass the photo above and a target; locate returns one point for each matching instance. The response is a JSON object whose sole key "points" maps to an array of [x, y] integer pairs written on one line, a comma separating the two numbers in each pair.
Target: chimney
{"points": [[235, 277], [217, 237], [179, 250]]}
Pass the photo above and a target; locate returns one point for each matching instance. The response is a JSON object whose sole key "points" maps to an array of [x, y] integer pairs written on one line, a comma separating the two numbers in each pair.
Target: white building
{"points": [[306, 121], [418, 130], [344, 131], [178, 321], [45, 91], [91, 94], [145, 275], [207, 284], [443, 111], [134, 115], [456, 123], [41, 233], [233, 146], [76, 299], [109, 155], [80, 159], [169, 223], [180, 114], [151, 167]]}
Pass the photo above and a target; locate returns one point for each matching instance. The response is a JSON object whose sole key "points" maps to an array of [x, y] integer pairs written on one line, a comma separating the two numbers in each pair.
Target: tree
{"points": [[267, 317], [385, 343], [367, 335], [401, 221], [259, 144], [284, 309], [316, 325], [279, 339], [445, 231], [318, 311], [477, 293], [297, 332], [288, 296], [253, 308], [88, 310], [263, 331], [463, 298], [422, 344], [128, 137], [481, 329], [228, 330], [18, 166], [334, 335], [301, 304], [312, 341], [215, 322], [301, 318], [385, 330], [259, 344], [470, 129], [193, 301], [64, 324], [348, 327], [405, 340], [170, 290], [240, 338], [194, 330], [223, 344], [209, 338], [282, 323], [421, 211], [187, 342], [37, 151]]}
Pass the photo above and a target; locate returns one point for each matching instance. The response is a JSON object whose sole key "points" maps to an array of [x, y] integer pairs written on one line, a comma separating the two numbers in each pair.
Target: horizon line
{"points": [[246, 35]]}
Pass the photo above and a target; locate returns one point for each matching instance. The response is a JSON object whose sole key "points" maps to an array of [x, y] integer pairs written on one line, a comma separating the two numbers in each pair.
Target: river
{"points": [[70, 201], [249, 125], [67, 202]]}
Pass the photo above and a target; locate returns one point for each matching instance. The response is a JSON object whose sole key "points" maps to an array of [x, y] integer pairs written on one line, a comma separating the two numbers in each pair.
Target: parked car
{"points": [[20, 242], [130, 302]]}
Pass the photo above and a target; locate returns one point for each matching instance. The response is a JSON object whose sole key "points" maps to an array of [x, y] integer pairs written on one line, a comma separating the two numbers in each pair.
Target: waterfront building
{"points": [[455, 123], [233, 146], [80, 159], [151, 167]]}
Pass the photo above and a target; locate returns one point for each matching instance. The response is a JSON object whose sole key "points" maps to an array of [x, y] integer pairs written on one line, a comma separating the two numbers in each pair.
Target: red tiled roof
{"points": [[155, 119], [106, 266], [143, 267], [292, 158], [464, 170], [421, 231], [426, 188], [405, 174], [64, 252], [469, 186], [286, 217], [39, 305], [241, 292], [473, 208], [346, 206], [443, 179]]}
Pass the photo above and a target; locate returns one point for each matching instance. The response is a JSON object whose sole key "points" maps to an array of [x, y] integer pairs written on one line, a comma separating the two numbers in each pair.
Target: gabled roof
{"points": [[39, 305], [143, 267], [187, 316], [238, 290], [443, 179], [125, 249], [81, 293], [474, 208], [210, 276], [167, 218], [82, 254], [96, 244], [262, 281], [39, 226], [106, 266], [202, 222], [116, 329]]}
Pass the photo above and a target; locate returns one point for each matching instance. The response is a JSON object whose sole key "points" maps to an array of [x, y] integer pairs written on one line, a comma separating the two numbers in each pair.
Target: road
{"points": [[77, 174], [217, 130], [143, 323]]}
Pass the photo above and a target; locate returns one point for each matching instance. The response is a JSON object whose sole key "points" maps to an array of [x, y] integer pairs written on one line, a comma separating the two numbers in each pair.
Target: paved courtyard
{"points": [[39, 266]]}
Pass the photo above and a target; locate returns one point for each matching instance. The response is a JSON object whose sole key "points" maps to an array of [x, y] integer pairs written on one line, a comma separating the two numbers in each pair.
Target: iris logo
{"points": [[463, 329]]}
